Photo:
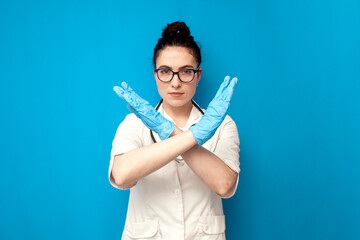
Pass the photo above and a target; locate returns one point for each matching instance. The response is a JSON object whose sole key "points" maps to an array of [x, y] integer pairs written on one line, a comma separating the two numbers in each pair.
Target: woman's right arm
{"points": [[138, 163], [131, 166]]}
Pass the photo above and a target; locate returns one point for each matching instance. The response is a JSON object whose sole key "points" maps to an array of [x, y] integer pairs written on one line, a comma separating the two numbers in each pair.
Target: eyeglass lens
{"points": [[185, 75]]}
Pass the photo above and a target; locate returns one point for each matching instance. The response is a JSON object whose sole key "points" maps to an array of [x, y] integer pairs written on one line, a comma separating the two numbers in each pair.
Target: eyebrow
{"points": [[186, 66]]}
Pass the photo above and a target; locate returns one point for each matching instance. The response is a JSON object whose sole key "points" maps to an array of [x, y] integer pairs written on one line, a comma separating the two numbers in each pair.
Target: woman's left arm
{"points": [[213, 171]]}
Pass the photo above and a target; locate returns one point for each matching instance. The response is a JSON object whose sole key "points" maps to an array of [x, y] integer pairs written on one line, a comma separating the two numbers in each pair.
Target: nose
{"points": [[175, 82]]}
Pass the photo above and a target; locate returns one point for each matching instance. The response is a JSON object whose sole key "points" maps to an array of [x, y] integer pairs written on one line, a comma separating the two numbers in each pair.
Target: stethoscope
{"points": [[178, 160]]}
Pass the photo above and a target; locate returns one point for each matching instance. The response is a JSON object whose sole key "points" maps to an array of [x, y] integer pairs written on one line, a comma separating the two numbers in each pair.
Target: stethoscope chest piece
{"points": [[180, 161]]}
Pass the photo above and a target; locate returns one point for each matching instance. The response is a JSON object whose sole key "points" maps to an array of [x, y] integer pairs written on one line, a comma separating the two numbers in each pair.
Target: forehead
{"points": [[175, 57]]}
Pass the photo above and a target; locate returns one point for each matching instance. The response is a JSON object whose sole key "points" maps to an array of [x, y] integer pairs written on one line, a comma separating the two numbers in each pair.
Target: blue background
{"points": [[297, 108]]}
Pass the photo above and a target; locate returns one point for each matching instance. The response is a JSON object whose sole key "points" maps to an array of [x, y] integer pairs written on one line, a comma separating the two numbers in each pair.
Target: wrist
{"points": [[190, 133], [194, 132], [167, 131], [176, 131]]}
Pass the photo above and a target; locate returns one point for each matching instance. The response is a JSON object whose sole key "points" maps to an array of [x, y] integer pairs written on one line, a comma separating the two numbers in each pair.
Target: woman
{"points": [[179, 170]]}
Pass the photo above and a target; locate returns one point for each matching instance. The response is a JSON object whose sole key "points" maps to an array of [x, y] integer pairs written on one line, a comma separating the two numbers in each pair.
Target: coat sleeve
{"points": [[128, 137], [227, 148]]}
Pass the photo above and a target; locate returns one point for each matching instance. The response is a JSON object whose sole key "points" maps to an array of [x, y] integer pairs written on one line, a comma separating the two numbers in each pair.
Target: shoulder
{"points": [[228, 119], [228, 129], [131, 119], [131, 131], [228, 122], [131, 123]]}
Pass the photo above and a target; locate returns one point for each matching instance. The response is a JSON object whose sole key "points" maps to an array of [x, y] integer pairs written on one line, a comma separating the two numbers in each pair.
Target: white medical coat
{"points": [[172, 202]]}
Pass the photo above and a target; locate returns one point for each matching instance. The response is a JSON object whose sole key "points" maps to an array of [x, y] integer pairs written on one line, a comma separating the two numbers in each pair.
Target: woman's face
{"points": [[177, 93]]}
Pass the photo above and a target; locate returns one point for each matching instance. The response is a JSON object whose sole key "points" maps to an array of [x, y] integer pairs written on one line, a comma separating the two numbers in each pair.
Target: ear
{"points": [[154, 73], [199, 75]]}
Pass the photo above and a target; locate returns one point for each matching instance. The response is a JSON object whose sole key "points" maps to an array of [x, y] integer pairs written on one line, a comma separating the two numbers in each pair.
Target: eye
{"points": [[187, 71], [164, 71]]}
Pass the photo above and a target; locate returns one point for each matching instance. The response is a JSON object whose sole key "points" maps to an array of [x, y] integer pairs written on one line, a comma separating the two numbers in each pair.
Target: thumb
{"points": [[133, 110]]}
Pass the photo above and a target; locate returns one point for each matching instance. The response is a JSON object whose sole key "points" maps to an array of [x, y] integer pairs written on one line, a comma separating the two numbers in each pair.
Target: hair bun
{"points": [[177, 34], [176, 28]]}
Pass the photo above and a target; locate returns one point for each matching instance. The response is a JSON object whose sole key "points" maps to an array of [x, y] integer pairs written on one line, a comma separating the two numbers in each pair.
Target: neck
{"points": [[179, 114]]}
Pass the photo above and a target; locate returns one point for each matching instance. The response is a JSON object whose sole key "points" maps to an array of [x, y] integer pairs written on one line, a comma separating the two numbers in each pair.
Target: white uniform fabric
{"points": [[172, 202]]}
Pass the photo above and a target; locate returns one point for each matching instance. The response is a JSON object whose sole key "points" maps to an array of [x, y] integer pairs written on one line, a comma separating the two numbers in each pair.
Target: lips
{"points": [[176, 94]]}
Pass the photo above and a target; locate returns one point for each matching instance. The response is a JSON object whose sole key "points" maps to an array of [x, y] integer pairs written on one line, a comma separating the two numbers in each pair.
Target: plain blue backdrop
{"points": [[297, 108]]}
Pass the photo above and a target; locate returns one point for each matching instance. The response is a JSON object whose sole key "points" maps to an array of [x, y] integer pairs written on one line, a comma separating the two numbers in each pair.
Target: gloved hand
{"points": [[143, 110], [215, 113]]}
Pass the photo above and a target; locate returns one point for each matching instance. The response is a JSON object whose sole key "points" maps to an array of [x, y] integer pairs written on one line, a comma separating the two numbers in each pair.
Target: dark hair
{"points": [[177, 34]]}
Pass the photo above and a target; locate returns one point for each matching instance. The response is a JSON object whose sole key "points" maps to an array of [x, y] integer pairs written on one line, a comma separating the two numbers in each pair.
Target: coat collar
{"points": [[195, 116]]}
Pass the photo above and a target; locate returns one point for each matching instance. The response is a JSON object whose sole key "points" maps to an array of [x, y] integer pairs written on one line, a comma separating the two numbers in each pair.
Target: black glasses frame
{"points": [[177, 73]]}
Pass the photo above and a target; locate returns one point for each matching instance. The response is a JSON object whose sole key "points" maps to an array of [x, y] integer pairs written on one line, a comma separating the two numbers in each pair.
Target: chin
{"points": [[177, 102]]}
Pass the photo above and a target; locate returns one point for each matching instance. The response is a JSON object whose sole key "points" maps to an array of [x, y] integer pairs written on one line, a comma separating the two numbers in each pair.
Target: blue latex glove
{"points": [[143, 110], [215, 113]]}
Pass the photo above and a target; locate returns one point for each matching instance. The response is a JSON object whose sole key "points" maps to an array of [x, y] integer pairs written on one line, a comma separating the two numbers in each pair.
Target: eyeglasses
{"points": [[185, 75]]}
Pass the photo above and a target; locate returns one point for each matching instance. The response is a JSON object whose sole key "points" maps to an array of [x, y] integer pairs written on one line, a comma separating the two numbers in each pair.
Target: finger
{"points": [[129, 90], [119, 91], [129, 95], [232, 84], [223, 86], [226, 79], [228, 92], [234, 81], [126, 87], [125, 95], [132, 96]]}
